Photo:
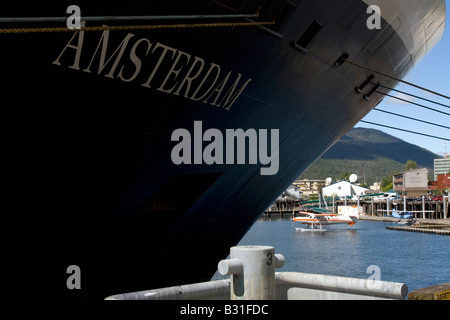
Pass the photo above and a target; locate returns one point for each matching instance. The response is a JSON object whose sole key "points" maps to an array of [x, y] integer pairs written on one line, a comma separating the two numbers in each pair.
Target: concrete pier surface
{"points": [[437, 292]]}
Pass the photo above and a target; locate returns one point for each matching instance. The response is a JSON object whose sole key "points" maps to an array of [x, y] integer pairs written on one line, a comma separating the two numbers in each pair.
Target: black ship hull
{"points": [[87, 128]]}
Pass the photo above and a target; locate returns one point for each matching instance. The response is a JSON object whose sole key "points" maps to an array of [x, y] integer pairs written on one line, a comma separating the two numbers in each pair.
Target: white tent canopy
{"points": [[343, 189]]}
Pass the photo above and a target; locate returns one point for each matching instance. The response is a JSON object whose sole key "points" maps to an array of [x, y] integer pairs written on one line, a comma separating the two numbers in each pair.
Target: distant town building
{"points": [[442, 183], [441, 166], [344, 189], [309, 187], [412, 182], [376, 186]]}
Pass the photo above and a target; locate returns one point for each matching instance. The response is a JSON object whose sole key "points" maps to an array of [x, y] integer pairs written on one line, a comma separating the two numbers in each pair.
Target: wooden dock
{"points": [[441, 230]]}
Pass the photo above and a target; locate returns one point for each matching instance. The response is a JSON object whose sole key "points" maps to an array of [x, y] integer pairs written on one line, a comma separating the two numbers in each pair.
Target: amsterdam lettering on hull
{"points": [[165, 69]]}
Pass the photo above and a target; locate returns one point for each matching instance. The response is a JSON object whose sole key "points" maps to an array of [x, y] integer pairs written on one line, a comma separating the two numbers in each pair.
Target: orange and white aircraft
{"points": [[320, 217]]}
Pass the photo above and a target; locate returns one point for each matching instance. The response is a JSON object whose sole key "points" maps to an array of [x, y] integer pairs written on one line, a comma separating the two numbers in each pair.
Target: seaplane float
{"points": [[317, 218]]}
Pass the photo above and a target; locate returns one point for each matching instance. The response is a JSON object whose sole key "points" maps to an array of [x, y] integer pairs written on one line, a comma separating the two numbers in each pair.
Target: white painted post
{"points": [[252, 270], [404, 203], [388, 206], [423, 207]]}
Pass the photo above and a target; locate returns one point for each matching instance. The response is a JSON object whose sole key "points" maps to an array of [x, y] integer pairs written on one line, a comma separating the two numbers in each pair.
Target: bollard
{"points": [[252, 270]]}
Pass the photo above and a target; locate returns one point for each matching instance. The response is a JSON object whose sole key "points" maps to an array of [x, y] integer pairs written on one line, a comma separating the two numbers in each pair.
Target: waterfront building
{"points": [[441, 166], [411, 183]]}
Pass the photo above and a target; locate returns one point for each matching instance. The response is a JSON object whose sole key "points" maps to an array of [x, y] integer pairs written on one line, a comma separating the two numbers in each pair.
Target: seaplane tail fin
{"points": [[354, 219]]}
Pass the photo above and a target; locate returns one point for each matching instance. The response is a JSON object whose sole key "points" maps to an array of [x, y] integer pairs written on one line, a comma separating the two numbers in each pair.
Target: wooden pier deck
{"points": [[442, 230], [433, 226]]}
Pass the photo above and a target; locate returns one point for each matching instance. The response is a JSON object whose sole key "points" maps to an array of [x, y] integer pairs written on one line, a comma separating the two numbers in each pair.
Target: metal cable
{"points": [[411, 95], [404, 130], [414, 103], [410, 118]]}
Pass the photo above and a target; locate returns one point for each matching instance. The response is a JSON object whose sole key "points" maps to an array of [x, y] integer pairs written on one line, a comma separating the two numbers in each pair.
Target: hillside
{"points": [[371, 154]]}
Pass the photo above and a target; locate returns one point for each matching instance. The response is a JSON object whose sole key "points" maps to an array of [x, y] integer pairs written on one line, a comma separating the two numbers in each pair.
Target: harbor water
{"points": [[364, 250]]}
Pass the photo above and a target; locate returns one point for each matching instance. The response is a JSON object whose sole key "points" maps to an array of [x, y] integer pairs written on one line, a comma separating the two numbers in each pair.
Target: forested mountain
{"points": [[371, 154]]}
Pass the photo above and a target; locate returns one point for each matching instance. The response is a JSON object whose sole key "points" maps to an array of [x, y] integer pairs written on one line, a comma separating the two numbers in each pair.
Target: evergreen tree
{"points": [[410, 165]]}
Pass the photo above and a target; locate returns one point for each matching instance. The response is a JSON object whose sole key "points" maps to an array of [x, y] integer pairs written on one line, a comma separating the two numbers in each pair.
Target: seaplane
{"points": [[405, 216], [318, 218]]}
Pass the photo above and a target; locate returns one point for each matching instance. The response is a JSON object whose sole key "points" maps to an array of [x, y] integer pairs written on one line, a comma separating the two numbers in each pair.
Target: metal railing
{"points": [[253, 277]]}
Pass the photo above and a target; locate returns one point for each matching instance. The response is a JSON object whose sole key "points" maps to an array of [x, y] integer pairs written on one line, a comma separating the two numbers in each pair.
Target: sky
{"points": [[433, 73]]}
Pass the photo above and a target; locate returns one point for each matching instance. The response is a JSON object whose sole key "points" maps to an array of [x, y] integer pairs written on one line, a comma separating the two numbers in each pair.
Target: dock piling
{"points": [[445, 207]]}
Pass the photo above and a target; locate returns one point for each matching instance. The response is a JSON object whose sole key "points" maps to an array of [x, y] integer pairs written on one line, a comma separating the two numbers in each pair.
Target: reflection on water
{"points": [[417, 259]]}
